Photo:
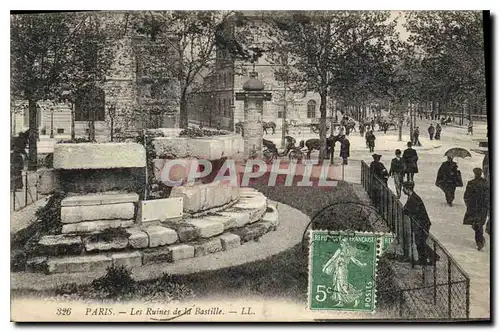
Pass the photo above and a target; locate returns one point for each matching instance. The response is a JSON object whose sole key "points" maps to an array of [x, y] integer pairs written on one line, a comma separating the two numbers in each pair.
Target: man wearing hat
{"points": [[420, 220], [410, 159], [397, 172], [379, 176], [476, 199]]}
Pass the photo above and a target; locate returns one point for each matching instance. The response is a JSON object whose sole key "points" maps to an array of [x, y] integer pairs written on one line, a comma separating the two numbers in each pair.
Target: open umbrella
{"points": [[457, 153]]}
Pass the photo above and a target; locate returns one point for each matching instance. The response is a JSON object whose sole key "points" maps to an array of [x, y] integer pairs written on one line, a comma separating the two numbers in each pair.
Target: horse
{"points": [[269, 125], [313, 144]]}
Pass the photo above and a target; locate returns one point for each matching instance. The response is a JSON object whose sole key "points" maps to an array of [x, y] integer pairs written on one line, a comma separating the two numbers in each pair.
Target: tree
{"points": [[185, 45], [332, 51], [452, 49], [51, 52]]}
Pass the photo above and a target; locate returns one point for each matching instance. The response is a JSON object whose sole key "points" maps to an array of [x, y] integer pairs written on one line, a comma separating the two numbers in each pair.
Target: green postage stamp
{"points": [[342, 270]]}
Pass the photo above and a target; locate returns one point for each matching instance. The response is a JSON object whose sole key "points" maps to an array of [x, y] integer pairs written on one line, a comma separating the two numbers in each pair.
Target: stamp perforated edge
{"points": [[378, 252]]}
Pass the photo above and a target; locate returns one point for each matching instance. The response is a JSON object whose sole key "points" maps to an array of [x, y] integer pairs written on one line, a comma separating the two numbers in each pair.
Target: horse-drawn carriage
{"points": [[291, 151]]}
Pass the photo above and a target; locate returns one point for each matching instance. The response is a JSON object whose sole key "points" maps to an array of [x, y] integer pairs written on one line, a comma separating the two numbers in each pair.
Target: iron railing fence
{"points": [[439, 290]]}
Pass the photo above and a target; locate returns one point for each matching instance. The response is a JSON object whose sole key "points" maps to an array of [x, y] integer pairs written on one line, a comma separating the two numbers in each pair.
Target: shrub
{"points": [[117, 283], [49, 215]]}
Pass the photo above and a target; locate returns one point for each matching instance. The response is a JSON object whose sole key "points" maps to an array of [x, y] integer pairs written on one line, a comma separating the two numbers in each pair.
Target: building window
{"points": [[280, 114], [89, 104], [311, 109], [220, 108], [60, 130], [224, 107]]}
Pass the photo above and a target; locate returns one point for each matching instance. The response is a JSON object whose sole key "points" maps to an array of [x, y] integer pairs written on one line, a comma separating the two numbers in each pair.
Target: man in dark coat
{"points": [[448, 179], [397, 172], [370, 140], [344, 149], [438, 132], [416, 135], [476, 199], [410, 158], [431, 131], [420, 220], [379, 177]]}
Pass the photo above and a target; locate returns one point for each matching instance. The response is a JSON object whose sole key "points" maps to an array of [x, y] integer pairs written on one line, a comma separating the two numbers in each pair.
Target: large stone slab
{"points": [[72, 264], [207, 228], [99, 155], [100, 199], [95, 226], [212, 148], [74, 214], [160, 209], [127, 259], [57, 245], [160, 236], [202, 197]]}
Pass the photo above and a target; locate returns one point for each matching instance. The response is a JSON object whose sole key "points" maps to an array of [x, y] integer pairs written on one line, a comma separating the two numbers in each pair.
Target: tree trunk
{"points": [[322, 127], [72, 121], [111, 128], [183, 115], [33, 135]]}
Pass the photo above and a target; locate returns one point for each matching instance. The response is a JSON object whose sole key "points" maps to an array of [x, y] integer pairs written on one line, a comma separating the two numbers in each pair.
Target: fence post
{"points": [[411, 244], [13, 189], [467, 300], [26, 189], [449, 287], [434, 272]]}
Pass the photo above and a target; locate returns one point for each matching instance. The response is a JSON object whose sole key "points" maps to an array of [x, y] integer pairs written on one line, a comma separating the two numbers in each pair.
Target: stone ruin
{"points": [[105, 223]]}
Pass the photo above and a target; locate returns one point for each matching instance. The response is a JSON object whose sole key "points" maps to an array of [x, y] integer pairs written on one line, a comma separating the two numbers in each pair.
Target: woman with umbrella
{"points": [[449, 177]]}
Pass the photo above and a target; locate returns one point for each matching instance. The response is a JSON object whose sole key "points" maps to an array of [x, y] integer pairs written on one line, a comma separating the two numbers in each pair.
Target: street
{"points": [[447, 221]]}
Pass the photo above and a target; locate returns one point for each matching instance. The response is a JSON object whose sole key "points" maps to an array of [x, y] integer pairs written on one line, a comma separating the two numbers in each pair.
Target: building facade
{"points": [[128, 100]]}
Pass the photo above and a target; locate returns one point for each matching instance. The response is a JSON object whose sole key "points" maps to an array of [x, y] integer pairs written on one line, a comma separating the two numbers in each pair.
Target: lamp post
{"points": [[52, 122], [67, 96]]}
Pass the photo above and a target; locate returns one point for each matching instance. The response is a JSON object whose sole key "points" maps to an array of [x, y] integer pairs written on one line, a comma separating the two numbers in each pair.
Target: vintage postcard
{"points": [[250, 166]]}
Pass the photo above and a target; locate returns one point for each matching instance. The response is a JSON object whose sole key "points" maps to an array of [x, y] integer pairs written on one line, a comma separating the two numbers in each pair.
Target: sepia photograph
{"points": [[250, 166]]}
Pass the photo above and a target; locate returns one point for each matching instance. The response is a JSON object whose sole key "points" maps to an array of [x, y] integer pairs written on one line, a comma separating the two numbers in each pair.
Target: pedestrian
{"points": [[341, 130], [397, 172], [421, 224], [431, 131], [448, 179], [373, 123], [470, 128], [218, 126], [344, 149], [438, 131], [385, 126], [408, 121], [378, 169], [486, 172], [410, 159], [476, 199], [370, 140], [416, 134], [361, 129]]}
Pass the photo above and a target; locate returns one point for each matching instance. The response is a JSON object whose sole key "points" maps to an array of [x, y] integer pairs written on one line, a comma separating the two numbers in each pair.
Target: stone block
{"points": [[154, 256], [36, 265], [202, 148], [160, 236], [72, 264], [178, 170], [127, 259], [206, 247], [87, 227], [48, 181], [191, 197], [99, 156], [230, 241], [207, 228], [137, 239], [250, 232], [234, 219], [181, 251], [100, 199], [271, 216], [57, 245], [160, 209], [95, 244], [74, 214], [256, 206], [188, 233]]}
